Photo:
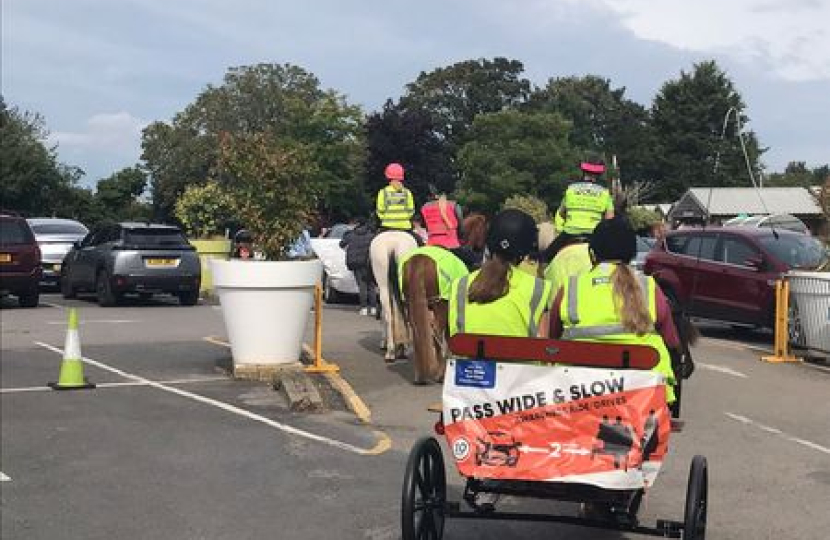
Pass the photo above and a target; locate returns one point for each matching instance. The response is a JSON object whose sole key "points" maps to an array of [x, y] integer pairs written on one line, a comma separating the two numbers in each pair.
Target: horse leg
{"points": [[419, 315], [441, 315]]}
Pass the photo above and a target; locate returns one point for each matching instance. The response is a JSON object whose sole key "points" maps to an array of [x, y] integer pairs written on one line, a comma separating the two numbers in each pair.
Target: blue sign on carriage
{"points": [[475, 373]]}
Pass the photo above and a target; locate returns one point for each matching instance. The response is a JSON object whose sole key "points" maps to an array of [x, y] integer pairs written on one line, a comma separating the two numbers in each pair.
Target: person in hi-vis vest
{"points": [[442, 218], [395, 205], [611, 303], [584, 205], [500, 299]]}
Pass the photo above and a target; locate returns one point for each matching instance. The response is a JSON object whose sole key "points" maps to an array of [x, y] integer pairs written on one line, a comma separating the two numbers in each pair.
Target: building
{"points": [[716, 205]]}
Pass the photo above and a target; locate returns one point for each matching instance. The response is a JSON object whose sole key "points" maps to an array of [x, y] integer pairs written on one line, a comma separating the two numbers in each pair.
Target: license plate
{"points": [[5, 257], [161, 262]]}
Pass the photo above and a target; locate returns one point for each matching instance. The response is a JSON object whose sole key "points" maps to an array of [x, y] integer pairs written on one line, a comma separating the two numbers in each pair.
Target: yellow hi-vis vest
{"points": [[588, 314], [448, 266], [515, 314], [395, 208], [585, 204]]}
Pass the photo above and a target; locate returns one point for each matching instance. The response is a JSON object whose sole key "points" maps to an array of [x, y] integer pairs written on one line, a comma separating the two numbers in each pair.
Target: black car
{"points": [[144, 258]]}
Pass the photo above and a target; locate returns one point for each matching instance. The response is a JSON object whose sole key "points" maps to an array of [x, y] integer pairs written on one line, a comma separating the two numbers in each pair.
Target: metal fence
{"points": [[809, 311]]}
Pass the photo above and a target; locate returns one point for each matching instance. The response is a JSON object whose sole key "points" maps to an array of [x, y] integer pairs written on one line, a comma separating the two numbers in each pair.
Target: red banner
{"points": [[608, 428]]}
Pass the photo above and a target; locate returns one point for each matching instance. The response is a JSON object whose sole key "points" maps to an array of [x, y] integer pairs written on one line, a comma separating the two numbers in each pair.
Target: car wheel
{"points": [[189, 298], [330, 294], [67, 290], [30, 299], [103, 289]]}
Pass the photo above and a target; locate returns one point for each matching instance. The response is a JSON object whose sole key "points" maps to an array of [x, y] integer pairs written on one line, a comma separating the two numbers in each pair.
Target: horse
{"points": [[423, 309], [384, 252]]}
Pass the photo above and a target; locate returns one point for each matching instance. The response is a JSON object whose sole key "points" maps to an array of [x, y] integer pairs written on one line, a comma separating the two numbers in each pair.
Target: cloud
{"points": [[790, 38]]}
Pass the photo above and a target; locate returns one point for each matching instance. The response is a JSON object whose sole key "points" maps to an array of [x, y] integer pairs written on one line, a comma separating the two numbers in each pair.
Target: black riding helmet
{"points": [[614, 240], [512, 233]]}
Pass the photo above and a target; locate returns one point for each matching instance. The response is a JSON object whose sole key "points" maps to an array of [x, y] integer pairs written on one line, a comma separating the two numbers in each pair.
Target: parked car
{"points": [[143, 258], [644, 245], [20, 269], [337, 279], [777, 221], [55, 238], [729, 273]]}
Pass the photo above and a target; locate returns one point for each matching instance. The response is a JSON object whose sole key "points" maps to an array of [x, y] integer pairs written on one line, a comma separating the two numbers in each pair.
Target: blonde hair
{"points": [[442, 209], [630, 301]]}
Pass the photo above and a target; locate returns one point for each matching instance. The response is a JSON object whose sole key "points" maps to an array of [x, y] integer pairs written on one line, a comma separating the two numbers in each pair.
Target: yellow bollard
{"points": [[319, 365], [782, 306]]}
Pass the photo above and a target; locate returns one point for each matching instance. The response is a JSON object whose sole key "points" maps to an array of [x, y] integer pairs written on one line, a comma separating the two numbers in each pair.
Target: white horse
{"points": [[386, 250]]}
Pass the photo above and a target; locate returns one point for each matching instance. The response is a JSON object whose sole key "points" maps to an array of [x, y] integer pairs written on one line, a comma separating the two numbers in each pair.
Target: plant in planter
{"points": [[266, 303], [204, 211]]}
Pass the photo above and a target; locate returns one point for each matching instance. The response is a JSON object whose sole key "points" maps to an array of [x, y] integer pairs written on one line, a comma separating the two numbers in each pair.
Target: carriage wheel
{"points": [[424, 492], [697, 495]]}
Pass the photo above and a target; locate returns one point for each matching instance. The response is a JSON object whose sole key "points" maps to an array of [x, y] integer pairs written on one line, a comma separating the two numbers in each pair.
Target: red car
{"points": [[729, 273], [20, 266]]}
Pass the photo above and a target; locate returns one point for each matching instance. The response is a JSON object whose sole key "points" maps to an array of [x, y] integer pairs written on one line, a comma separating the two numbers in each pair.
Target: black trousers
{"points": [[367, 291]]}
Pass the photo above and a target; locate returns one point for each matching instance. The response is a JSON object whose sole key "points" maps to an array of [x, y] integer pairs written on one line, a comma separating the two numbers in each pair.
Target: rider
{"points": [[584, 205], [572, 259], [500, 299], [443, 220], [613, 304], [395, 205]]}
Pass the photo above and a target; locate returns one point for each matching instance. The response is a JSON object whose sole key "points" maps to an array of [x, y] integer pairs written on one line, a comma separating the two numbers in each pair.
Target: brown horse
{"points": [[424, 309]]}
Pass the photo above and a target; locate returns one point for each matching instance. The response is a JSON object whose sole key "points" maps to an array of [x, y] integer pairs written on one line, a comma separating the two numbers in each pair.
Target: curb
{"points": [[353, 401]]}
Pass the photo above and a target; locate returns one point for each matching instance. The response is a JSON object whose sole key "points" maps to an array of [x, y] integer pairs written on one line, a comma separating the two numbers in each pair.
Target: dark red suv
{"points": [[20, 268], [729, 273]]}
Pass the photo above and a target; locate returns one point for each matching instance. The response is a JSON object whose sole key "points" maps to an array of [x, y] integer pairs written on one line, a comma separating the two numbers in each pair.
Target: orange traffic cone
{"points": [[71, 376]]}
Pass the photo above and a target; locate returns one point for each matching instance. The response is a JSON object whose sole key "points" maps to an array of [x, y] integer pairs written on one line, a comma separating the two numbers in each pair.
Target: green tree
{"points": [[33, 182], [455, 95], [513, 152], [688, 119], [602, 121], [284, 102], [797, 174], [119, 195], [534, 207], [205, 210]]}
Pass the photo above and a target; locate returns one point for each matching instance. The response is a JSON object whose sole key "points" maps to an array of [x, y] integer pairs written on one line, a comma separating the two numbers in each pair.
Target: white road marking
{"points": [[814, 366], [110, 385], [4, 478], [776, 431], [98, 321], [721, 369], [382, 445], [50, 304]]}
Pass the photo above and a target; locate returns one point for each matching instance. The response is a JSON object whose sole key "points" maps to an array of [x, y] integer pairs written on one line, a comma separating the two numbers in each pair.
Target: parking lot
{"points": [[167, 446]]}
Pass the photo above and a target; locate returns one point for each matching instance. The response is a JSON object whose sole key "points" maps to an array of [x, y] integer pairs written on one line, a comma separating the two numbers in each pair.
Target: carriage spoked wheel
{"points": [[424, 492], [697, 499]]}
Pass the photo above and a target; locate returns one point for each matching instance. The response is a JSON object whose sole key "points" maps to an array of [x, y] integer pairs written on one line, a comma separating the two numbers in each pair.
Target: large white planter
{"points": [[266, 306]]}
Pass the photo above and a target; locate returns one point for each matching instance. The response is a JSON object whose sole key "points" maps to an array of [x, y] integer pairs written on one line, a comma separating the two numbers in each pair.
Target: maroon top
{"points": [[664, 323]]}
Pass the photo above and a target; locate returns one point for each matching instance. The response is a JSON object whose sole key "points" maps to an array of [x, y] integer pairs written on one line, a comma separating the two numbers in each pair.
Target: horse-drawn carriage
{"points": [[558, 420]]}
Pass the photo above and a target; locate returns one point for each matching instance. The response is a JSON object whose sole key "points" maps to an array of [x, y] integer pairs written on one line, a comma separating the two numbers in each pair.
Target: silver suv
{"points": [[143, 258]]}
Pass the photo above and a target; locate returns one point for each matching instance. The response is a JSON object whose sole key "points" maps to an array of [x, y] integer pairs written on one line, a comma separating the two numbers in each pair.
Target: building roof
{"points": [[732, 201]]}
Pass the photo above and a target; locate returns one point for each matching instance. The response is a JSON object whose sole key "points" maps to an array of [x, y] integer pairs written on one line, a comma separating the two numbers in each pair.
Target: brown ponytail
{"points": [[629, 301], [492, 281]]}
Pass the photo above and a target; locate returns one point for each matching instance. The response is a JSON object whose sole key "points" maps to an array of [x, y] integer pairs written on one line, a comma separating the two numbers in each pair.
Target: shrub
{"points": [[535, 207], [204, 210]]}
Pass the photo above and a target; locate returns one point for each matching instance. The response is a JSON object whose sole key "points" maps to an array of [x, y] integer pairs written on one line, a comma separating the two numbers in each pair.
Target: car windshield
{"points": [[59, 228], [796, 251], [13, 232], [154, 237]]}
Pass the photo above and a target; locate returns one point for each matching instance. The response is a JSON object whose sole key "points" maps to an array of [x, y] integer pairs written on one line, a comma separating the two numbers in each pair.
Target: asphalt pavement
{"points": [[167, 446]]}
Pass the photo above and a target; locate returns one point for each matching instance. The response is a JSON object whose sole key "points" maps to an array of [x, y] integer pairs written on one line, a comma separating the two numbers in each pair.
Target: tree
{"points": [[513, 152], [688, 118], [602, 121], [798, 175], [119, 193], [34, 183], [284, 102], [397, 134], [455, 95]]}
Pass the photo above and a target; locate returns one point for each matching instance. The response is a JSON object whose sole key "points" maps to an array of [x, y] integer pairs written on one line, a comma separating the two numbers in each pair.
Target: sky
{"points": [[99, 70]]}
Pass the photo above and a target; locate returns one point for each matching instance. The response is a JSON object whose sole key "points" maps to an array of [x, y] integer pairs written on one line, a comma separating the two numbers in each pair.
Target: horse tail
{"points": [[394, 285], [416, 274]]}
